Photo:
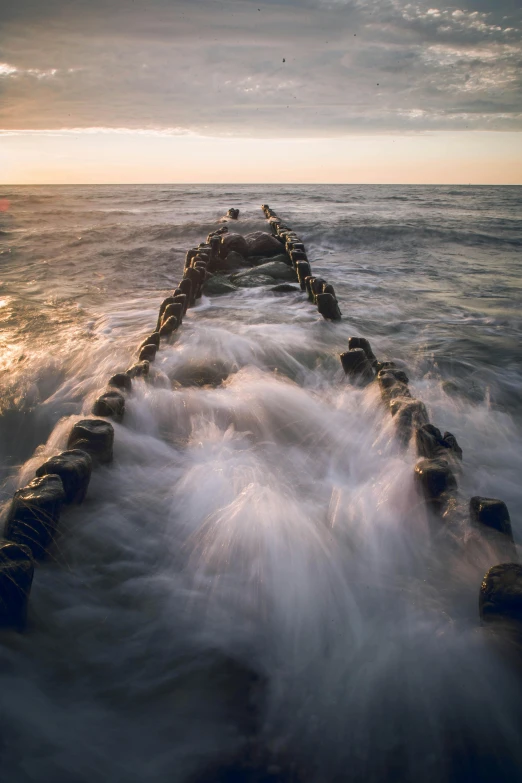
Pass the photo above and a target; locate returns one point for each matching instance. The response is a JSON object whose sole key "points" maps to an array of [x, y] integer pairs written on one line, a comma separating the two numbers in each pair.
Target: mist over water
{"points": [[255, 568]]}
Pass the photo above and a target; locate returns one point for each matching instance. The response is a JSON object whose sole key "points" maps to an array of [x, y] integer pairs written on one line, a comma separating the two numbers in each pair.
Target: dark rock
{"points": [[189, 256], [362, 342], [235, 242], [282, 258], [169, 326], [492, 513], [500, 597], [16, 578], [139, 370], [152, 339], [317, 287], [185, 286], [435, 479], [217, 284], [259, 243], [274, 269], [95, 436], [355, 364], [449, 441], [431, 443], [409, 414], [233, 213], [74, 468], [34, 514], [392, 372], [233, 261], [111, 403], [148, 352], [121, 381], [211, 373], [328, 307], [163, 306], [285, 288], [384, 366], [174, 310], [303, 271]]}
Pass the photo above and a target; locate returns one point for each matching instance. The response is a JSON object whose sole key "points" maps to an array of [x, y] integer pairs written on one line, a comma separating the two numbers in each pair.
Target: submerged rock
{"points": [[74, 467], [34, 514], [211, 373], [492, 513], [218, 284], [232, 261], [16, 578], [262, 260], [285, 288], [500, 599], [273, 269], [95, 436]]}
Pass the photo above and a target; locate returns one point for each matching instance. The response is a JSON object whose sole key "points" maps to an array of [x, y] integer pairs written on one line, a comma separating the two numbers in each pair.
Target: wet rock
{"points": [[148, 352], [409, 414], [274, 269], [74, 467], [384, 366], [139, 370], [95, 436], [392, 372], [259, 243], [356, 365], [111, 403], [34, 514], [449, 442], [195, 278], [391, 384], [282, 258], [233, 213], [328, 307], [169, 326], [185, 286], [190, 255], [435, 479], [431, 443], [235, 242], [174, 310], [362, 342], [211, 373], [500, 597], [16, 578], [232, 261], [217, 284], [303, 271], [492, 513], [180, 298], [285, 288], [163, 306], [152, 339], [121, 381]]}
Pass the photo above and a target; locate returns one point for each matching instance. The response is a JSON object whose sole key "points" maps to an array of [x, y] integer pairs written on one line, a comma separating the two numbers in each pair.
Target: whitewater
{"points": [[253, 590]]}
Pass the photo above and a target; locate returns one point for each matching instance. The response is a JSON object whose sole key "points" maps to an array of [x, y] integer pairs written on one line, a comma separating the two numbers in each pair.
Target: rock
{"points": [[393, 372], [233, 260], [148, 352], [174, 310], [139, 370], [328, 307], [384, 366], [435, 479], [152, 339], [391, 385], [449, 442], [163, 306], [34, 514], [16, 578], [180, 298], [303, 271], [95, 436], [409, 414], [217, 284], [190, 255], [285, 288], [121, 381], [355, 364], [362, 342], [431, 443], [274, 269], [211, 373], [235, 242], [185, 286], [233, 213], [169, 326], [492, 513], [112, 403], [260, 243], [282, 258], [500, 597], [74, 467], [196, 280]]}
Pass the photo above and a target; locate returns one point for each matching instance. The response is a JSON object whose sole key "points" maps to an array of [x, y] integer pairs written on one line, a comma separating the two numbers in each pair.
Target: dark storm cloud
{"points": [[216, 67]]}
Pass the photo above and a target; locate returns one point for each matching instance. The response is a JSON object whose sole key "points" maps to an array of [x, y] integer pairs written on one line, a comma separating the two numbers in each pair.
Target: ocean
{"points": [[254, 575]]}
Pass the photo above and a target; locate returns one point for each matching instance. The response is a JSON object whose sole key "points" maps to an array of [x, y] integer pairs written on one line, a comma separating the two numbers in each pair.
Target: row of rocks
{"points": [[435, 472], [319, 291]]}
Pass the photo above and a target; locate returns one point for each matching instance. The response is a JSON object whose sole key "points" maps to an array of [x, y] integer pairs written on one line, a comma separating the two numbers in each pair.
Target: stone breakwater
{"points": [[223, 263]]}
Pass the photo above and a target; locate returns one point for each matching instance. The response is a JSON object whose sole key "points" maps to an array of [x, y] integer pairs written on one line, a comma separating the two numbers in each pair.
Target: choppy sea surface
{"points": [[254, 574]]}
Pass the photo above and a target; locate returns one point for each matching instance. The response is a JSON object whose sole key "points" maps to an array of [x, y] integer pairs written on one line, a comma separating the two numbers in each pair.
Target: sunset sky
{"points": [[256, 91]]}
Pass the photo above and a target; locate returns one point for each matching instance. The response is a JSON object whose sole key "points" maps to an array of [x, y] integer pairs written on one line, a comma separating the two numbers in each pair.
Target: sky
{"points": [[250, 91]]}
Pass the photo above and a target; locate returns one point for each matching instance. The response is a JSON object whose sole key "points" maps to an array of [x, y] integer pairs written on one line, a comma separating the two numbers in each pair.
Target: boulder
{"points": [[74, 468], [217, 284], [285, 288], [95, 436], [121, 381], [233, 261], [282, 258], [260, 243], [492, 513], [355, 364], [235, 242], [431, 443], [139, 370], [233, 213], [112, 402], [362, 342], [148, 352], [16, 578], [435, 479], [273, 269], [328, 307], [500, 599], [34, 514]]}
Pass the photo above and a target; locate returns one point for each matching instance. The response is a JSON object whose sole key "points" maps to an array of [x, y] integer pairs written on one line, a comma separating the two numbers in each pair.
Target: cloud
{"points": [[216, 67]]}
